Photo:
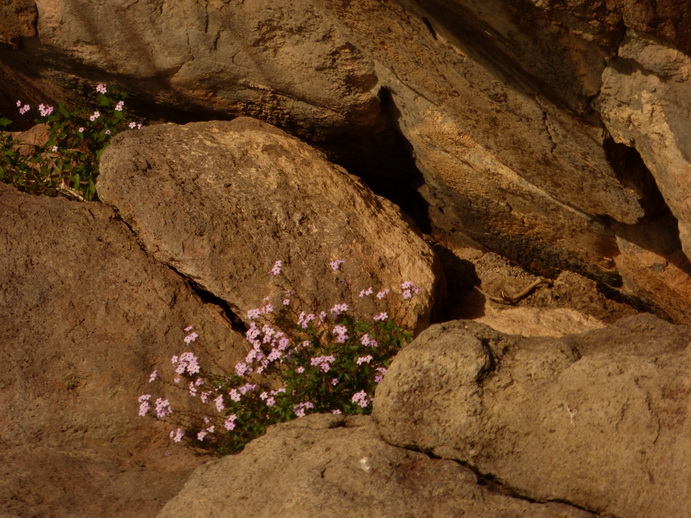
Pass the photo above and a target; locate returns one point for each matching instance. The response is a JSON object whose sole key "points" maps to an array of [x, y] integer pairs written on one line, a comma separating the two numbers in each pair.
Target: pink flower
{"points": [[81, 129], [186, 362], [299, 409], [144, 404], [366, 292], [361, 399], [323, 362], [368, 341], [201, 435], [336, 265], [101, 88], [191, 338], [270, 401], [383, 293], [253, 314], [341, 333], [54, 149], [45, 110], [234, 395], [336, 412], [119, 106], [153, 376], [339, 308], [276, 268], [381, 371], [380, 316], [132, 125], [94, 116], [24, 109], [177, 435], [163, 408], [229, 423], [364, 359]]}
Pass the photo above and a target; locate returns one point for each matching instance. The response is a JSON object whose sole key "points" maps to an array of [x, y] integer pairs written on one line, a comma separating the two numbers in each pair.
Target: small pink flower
{"points": [[153, 376], [163, 408], [361, 399], [177, 435], [24, 109], [201, 435], [132, 125], [101, 88], [276, 268], [94, 116], [364, 359], [336, 265], [381, 371], [81, 129], [191, 338], [383, 293], [270, 401], [229, 423], [366, 292], [54, 149], [219, 403], [380, 316], [119, 106]]}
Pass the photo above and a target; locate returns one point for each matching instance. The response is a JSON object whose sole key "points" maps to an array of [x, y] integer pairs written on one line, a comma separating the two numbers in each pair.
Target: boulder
{"points": [[87, 316], [335, 466], [600, 419], [220, 202], [494, 99]]}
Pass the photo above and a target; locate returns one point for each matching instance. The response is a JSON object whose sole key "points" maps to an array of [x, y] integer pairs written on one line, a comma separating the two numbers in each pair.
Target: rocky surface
{"points": [[328, 466], [222, 201], [527, 140], [494, 100], [87, 315], [600, 419]]}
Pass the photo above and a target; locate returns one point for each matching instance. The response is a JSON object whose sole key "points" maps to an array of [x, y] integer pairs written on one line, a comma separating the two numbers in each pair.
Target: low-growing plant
{"points": [[67, 164], [299, 363]]}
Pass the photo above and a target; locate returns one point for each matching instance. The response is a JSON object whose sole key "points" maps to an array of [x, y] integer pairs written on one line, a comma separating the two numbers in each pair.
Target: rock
{"points": [[645, 94], [553, 322], [600, 419], [87, 315], [323, 465], [220, 202], [493, 99]]}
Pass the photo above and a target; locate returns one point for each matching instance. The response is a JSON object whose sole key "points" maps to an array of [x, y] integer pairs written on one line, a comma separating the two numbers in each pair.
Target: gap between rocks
{"points": [[222, 306], [495, 485]]}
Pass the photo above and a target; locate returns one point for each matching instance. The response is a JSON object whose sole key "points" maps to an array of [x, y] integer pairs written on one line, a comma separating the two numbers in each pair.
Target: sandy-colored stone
{"points": [[330, 466], [644, 102], [86, 317], [222, 201], [599, 419]]}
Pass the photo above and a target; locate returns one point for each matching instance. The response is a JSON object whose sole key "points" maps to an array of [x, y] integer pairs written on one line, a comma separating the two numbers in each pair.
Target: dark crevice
{"points": [[204, 295], [495, 485], [207, 297], [491, 364], [429, 27]]}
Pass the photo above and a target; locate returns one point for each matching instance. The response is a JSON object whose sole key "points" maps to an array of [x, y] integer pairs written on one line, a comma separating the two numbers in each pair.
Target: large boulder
{"points": [[87, 316], [599, 419], [222, 201], [334, 466], [493, 97]]}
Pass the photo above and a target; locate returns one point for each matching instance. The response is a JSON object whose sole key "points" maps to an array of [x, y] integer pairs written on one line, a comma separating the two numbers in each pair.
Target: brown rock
{"points": [[222, 201], [600, 419], [87, 315], [330, 466], [644, 100]]}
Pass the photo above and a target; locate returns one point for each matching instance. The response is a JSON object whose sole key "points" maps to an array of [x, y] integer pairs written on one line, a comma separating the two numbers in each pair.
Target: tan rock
{"points": [[222, 201], [599, 419], [87, 315], [644, 102], [330, 466]]}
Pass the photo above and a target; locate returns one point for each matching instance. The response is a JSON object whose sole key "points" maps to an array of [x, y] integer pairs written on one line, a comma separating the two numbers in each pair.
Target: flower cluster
{"points": [[67, 163], [322, 361]]}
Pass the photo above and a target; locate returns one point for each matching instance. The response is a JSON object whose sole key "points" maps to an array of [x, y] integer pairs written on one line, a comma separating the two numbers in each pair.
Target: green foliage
{"points": [[67, 164], [299, 363]]}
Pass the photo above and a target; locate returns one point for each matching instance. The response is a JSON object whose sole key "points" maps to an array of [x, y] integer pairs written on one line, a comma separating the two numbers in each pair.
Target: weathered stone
{"points": [[644, 103], [86, 317], [333, 466], [222, 201], [600, 419]]}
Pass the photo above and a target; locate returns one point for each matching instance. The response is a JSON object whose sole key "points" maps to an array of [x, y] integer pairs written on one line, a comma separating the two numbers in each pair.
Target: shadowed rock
{"points": [[599, 419]]}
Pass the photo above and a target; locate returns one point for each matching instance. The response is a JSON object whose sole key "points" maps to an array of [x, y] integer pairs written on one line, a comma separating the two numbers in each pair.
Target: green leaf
{"points": [[4, 122], [63, 111]]}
